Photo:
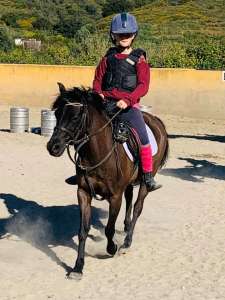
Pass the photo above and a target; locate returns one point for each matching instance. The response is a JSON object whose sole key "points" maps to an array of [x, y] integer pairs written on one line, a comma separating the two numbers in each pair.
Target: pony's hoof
{"points": [[123, 250], [112, 249], [74, 276]]}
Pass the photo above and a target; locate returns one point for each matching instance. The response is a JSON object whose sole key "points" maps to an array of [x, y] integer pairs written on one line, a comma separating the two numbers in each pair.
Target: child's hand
{"points": [[121, 104], [102, 96]]}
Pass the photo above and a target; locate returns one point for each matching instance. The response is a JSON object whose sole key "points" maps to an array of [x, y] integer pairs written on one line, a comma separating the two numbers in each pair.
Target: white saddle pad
{"points": [[152, 140]]}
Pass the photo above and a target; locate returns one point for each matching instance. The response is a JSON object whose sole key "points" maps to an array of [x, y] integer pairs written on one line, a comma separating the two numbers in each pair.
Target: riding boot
{"points": [[147, 167], [150, 183]]}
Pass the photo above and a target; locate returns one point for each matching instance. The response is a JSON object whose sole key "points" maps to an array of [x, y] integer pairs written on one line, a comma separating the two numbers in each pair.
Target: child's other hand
{"points": [[121, 104]]}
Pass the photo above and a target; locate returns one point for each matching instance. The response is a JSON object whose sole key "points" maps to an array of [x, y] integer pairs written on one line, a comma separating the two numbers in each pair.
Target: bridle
{"points": [[82, 123], [79, 143]]}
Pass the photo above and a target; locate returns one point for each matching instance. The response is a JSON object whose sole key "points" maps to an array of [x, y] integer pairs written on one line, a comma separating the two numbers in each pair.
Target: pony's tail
{"points": [[165, 155], [166, 152]]}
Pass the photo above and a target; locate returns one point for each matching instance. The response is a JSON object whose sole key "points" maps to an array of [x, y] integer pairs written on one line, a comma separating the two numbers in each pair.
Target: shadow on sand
{"points": [[206, 137], [45, 227], [197, 170]]}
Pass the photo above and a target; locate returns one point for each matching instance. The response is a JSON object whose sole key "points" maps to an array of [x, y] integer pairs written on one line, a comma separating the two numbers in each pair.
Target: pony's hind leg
{"points": [[114, 208], [138, 206], [84, 200], [128, 196]]}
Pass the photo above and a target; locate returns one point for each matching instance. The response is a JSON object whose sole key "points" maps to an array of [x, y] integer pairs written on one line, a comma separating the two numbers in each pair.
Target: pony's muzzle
{"points": [[55, 148]]}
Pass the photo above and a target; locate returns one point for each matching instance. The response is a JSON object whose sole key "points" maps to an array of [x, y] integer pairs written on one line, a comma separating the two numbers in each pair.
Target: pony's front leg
{"points": [[114, 208], [138, 206], [128, 196], [84, 200]]}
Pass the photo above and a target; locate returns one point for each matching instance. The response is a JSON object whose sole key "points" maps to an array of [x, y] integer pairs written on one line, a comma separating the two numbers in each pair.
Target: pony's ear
{"points": [[62, 88], [78, 92]]}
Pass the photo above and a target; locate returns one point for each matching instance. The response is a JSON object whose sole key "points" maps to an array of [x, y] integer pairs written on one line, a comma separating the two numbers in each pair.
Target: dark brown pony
{"points": [[81, 121]]}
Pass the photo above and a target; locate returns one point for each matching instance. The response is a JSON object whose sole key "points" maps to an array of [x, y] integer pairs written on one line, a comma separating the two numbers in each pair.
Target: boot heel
{"points": [[150, 183]]}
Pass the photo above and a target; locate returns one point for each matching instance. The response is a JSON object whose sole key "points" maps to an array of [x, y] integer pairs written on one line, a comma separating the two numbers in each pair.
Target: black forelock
{"points": [[80, 95]]}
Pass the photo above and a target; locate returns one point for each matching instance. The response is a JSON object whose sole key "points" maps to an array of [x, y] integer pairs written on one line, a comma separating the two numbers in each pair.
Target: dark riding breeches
{"points": [[135, 118]]}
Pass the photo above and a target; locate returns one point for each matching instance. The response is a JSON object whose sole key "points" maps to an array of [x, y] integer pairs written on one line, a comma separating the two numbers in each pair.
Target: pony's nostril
{"points": [[55, 148]]}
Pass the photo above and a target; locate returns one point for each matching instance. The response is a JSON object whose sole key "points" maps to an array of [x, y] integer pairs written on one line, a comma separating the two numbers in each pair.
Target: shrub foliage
{"points": [[184, 33]]}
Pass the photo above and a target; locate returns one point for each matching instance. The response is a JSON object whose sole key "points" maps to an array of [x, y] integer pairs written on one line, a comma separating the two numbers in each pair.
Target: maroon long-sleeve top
{"points": [[131, 98]]}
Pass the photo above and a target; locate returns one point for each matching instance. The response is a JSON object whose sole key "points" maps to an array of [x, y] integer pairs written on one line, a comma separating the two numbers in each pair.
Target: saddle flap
{"points": [[153, 144]]}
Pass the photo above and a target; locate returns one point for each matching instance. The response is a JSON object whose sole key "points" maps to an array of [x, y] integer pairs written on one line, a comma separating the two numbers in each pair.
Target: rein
{"points": [[82, 141], [88, 136]]}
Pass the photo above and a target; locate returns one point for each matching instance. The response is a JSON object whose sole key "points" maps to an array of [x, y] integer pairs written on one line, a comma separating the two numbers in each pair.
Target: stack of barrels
{"points": [[19, 120]]}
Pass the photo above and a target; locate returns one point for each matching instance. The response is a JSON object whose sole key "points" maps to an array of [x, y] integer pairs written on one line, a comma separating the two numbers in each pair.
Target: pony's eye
{"points": [[75, 118]]}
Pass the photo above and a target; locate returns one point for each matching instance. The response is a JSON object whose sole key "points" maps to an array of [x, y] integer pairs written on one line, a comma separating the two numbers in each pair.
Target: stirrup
{"points": [[121, 133]]}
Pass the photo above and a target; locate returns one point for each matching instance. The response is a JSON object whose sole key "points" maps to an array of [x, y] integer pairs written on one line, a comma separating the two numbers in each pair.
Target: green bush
{"points": [[87, 48], [6, 40], [208, 53], [117, 6], [174, 33], [59, 54]]}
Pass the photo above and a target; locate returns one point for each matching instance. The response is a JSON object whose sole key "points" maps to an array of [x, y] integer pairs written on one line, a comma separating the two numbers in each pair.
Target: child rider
{"points": [[123, 75]]}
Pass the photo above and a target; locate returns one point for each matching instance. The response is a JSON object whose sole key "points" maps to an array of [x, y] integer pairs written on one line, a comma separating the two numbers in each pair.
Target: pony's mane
{"points": [[78, 95]]}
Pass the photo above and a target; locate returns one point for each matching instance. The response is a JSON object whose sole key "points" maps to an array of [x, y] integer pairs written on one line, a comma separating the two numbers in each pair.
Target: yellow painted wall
{"points": [[183, 92], [188, 92]]}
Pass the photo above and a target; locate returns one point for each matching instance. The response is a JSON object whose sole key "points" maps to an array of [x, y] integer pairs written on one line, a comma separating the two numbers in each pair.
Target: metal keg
{"points": [[19, 119], [48, 122]]}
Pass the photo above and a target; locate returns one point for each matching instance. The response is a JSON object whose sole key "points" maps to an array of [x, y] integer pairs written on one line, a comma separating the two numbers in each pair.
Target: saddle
{"points": [[123, 132]]}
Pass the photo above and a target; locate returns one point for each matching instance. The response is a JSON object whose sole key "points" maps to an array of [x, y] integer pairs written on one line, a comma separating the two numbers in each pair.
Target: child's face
{"points": [[124, 39]]}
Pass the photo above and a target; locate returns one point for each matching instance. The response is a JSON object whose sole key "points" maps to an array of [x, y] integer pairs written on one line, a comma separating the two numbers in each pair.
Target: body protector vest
{"points": [[121, 73]]}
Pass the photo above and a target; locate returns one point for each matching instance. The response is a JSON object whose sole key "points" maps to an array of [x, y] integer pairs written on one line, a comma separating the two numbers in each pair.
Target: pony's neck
{"points": [[101, 143], [96, 119]]}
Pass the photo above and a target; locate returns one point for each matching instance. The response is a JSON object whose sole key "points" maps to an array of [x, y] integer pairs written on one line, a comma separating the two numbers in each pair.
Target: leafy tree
{"points": [[93, 8], [65, 17], [45, 12], [26, 23], [6, 40], [117, 6], [11, 17]]}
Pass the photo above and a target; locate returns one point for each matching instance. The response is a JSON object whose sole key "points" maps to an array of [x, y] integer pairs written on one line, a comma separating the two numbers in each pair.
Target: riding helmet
{"points": [[124, 23]]}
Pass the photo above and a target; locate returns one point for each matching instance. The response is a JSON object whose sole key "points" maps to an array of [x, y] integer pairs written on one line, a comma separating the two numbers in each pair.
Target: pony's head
{"points": [[70, 107]]}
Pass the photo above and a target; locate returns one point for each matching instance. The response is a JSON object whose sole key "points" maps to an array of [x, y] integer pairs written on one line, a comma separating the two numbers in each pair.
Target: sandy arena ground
{"points": [[178, 252]]}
